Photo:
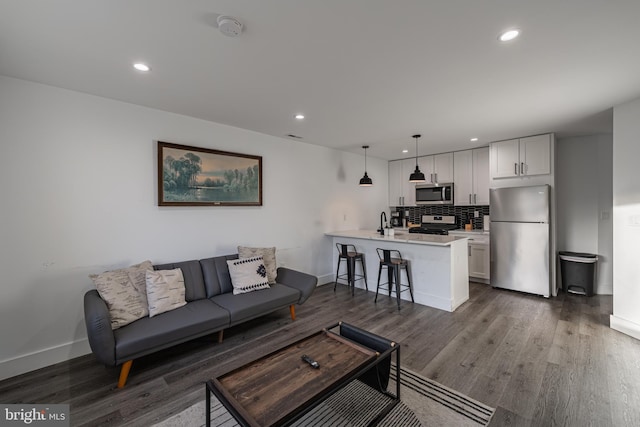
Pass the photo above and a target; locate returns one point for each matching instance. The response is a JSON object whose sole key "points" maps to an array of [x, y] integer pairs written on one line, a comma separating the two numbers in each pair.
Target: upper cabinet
{"points": [[401, 191], [437, 168], [521, 157], [471, 177]]}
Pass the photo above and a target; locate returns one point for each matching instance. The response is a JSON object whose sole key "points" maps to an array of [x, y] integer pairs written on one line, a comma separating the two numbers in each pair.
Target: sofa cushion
{"points": [[151, 334], [165, 291], [193, 280], [253, 304], [124, 292], [216, 275], [267, 254], [248, 275]]}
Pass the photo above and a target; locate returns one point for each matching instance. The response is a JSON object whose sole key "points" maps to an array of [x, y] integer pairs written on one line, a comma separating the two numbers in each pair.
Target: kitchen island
{"points": [[439, 264]]}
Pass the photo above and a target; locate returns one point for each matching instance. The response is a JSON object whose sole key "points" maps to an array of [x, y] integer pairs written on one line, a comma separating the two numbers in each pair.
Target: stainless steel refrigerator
{"points": [[520, 251]]}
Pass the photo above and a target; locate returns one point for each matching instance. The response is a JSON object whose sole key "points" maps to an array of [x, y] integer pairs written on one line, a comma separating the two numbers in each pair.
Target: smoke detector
{"points": [[229, 26]]}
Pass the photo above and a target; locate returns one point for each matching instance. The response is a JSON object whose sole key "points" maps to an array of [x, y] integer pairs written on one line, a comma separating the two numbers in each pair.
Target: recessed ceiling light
{"points": [[405, 151], [299, 116], [141, 67], [508, 35], [474, 139]]}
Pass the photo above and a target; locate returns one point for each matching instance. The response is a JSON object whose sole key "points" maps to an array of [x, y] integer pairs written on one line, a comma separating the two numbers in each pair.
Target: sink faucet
{"points": [[381, 230]]}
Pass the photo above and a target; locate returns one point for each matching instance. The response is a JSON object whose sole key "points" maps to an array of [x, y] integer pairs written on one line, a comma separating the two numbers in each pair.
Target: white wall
{"points": [[584, 201], [78, 176], [626, 218]]}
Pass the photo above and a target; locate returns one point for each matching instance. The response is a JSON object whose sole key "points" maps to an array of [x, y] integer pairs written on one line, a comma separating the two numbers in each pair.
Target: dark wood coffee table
{"points": [[279, 388]]}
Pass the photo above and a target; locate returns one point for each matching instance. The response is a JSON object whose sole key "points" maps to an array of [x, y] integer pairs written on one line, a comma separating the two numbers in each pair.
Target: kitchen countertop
{"points": [[399, 237], [472, 232], [457, 232]]}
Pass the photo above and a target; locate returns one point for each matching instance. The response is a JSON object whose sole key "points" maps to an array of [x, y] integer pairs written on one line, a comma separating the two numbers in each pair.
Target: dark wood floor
{"points": [[539, 361]]}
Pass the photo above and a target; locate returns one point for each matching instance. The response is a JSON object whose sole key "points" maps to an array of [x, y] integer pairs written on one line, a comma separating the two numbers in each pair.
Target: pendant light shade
{"points": [[365, 181], [416, 176]]}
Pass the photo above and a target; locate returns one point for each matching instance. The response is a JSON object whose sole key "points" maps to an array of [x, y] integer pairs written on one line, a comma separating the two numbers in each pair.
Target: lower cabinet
{"points": [[479, 261], [479, 255]]}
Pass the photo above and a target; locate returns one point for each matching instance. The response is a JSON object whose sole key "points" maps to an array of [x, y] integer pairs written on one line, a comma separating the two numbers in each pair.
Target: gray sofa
{"points": [[211, 307]]}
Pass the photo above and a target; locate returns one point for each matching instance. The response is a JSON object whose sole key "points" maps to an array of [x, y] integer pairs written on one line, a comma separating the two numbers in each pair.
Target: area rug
{"points": [[423, 403]]}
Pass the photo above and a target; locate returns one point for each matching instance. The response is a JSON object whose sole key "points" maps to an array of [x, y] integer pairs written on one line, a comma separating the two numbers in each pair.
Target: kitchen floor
{"points": [[538, 361]]}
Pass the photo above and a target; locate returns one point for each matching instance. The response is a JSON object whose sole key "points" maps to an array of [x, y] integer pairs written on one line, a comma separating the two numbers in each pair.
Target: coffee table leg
{"points": [[207, 410]]}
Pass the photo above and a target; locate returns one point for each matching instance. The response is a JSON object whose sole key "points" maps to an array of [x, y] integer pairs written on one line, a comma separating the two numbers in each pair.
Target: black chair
{"points": [[392, 260], [378, 376], [349, 253]]}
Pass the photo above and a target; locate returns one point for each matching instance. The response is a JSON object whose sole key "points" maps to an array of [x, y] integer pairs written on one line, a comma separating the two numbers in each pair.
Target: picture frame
{"points": [[195, 176]]}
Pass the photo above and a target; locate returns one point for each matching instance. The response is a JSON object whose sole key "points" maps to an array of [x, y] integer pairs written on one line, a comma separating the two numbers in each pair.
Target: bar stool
{"points": [[351, 255], [392, 260]]}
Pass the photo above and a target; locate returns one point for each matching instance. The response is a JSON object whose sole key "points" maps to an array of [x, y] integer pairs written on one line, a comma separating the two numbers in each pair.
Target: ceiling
{"points": [[369, 72]]}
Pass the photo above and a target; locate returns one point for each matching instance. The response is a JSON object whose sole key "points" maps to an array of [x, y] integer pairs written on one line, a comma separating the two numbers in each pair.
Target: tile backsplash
{"points": [[462, 213]]}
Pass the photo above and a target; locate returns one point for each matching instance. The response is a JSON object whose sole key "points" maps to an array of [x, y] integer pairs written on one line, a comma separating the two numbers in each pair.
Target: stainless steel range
{"points": [[436, 224]]}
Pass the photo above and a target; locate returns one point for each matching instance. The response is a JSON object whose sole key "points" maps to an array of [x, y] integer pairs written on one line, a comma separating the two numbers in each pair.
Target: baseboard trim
{"points": [[327, 278], [43, 358], [625, 326]]}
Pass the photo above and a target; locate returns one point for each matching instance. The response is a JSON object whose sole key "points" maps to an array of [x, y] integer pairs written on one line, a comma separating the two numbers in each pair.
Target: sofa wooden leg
{"points": [[292, 310], [220, 335], [124, 373]]}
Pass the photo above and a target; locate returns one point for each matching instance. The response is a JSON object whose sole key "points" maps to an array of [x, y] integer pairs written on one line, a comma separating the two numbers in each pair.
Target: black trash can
{"points": [[578, 271]]}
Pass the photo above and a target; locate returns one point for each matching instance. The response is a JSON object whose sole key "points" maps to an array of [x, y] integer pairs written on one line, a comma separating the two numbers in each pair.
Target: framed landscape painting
{"points": [[192, 176]]}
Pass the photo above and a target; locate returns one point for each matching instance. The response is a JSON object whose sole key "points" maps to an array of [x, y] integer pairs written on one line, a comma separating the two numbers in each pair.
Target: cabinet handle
{"points": [[469, 249], [469, 198], [436, 177], [522, 168], [475, 199], [516, 169]]}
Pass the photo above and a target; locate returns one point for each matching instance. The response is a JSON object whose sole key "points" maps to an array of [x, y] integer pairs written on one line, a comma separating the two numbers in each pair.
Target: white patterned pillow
{"points": [[267, 254], [248, 274], [125, 293], [165, 290]]}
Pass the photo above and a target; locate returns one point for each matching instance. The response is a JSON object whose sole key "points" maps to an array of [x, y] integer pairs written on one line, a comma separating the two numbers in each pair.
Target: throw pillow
{"points": [[248, 274], [269, 256], [124, 292], [165, 290]]}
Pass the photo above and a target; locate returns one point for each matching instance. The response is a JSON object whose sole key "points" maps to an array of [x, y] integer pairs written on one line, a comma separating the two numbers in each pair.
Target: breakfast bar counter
{"points": [[439, 264]]}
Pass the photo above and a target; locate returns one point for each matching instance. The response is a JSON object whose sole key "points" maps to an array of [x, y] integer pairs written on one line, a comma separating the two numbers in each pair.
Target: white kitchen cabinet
{"points": [[437, 168], [478, 260], [521, 157], [478, 254], [471, 177], [401, 191], [535, 155]]}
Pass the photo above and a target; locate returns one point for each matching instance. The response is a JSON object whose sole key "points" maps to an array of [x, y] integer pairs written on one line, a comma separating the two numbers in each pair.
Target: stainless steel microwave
{"points": [[434, 194]]}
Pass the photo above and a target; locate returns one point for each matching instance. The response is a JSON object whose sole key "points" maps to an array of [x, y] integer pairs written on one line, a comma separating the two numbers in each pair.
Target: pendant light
{"points": [[365, 181], [416, 176]]}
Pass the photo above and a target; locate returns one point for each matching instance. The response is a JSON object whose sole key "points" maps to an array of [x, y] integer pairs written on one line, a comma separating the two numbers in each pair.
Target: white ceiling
{"points": [[362, 71]]}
